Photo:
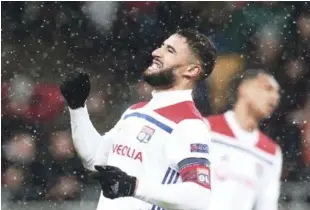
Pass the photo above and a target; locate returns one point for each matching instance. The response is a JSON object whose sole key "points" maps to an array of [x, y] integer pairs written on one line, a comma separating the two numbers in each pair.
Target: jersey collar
{"points": [[173, 95], [250, 137]]}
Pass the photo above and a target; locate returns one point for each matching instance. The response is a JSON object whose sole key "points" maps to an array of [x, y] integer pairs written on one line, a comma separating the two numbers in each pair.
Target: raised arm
{"points": [[89, 144]]}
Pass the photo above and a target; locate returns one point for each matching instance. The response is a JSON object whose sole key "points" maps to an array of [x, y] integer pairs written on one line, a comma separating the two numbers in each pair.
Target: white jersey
{"points": [[246, 167], [164, 143]]}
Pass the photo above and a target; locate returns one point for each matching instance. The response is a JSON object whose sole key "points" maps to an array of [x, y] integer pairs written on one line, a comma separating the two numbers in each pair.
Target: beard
{"points": [[163, 79]]}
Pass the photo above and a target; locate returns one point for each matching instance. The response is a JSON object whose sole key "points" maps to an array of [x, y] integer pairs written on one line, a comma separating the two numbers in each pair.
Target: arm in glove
{"points": [[89, 144], [114, 182], [187, 195], [75, 88]]}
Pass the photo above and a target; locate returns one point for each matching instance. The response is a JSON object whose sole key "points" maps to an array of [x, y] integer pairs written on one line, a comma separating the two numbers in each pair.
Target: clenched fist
{"points": [[114, 182], [75, 88]]}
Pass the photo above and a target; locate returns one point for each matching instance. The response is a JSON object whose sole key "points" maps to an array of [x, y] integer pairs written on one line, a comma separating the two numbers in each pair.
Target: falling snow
{"points": [[113, 41]]}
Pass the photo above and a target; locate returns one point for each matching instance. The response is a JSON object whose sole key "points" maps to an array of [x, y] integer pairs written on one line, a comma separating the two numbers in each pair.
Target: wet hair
{"points": [[239, 79], [202, 48]]}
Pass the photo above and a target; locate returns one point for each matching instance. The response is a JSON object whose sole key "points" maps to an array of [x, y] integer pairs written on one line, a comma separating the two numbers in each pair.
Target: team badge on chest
{"points": [[145, 134]]}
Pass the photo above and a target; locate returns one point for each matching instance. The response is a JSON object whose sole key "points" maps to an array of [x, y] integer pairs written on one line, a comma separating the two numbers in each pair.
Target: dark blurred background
{"points": [[41, 41]]}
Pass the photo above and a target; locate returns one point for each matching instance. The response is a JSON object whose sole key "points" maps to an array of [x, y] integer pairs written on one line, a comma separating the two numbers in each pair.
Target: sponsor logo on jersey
{"points": [[200, 148], [145, 134], [223, 172], [127, 151]]}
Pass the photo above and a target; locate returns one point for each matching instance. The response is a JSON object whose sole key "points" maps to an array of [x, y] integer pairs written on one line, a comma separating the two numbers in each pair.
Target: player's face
{"points": [[170, 63], [262, 93]]}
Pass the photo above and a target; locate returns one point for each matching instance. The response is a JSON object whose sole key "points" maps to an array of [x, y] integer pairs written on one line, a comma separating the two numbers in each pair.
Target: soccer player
{"points": [[157, 155], [246, 164]]}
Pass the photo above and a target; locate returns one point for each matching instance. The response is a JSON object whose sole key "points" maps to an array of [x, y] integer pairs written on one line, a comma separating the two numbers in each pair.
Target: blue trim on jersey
{"points": [[151, 120], [166, 175], [172, 177], [243, 150], [176, 178], [193, 161]]}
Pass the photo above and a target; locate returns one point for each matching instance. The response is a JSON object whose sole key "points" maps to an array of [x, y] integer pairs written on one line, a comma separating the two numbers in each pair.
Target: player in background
{"points": [[246, 164], [157, 155]]}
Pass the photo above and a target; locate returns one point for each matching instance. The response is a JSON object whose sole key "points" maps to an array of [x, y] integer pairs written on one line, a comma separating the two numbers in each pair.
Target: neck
{"points": [[181, 86], [245, 117]]}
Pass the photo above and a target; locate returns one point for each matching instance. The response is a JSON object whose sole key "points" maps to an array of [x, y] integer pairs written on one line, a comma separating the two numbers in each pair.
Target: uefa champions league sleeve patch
{"points": [[200, 148]]}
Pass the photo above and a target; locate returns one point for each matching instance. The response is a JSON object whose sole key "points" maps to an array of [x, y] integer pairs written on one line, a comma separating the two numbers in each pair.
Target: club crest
{"points": [[145, 134]]}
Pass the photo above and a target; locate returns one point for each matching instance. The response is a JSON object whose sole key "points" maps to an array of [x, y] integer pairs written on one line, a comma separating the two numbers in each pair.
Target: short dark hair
{"points": [[202, 48], [238, 79]]}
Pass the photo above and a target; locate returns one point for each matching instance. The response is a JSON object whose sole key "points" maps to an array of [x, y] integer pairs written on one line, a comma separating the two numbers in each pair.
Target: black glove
{"points": [[75, 88], [114, 182]]}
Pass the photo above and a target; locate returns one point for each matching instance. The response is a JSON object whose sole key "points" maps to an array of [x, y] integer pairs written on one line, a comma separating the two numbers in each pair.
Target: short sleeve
{"points": [[190, 151]]}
